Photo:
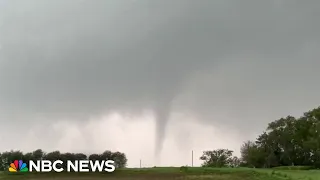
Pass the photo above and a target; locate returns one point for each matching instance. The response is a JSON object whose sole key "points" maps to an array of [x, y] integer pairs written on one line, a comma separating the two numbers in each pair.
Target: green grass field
{"points": [[164, 173]]}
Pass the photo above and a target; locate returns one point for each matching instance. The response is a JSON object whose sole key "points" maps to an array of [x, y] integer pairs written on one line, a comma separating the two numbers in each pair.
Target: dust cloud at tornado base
{"points": [[231, 65]]}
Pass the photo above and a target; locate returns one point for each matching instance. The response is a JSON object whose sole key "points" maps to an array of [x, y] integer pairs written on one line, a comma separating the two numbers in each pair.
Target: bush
{"points": [[183, 168]]}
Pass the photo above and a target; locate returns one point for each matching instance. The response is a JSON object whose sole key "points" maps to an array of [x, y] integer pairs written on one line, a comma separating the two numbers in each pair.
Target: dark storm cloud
{"points": [[235, 63]]}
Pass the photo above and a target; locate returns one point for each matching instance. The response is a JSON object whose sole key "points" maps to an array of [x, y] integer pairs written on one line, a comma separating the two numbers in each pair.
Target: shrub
{"points": [[183, 168]]}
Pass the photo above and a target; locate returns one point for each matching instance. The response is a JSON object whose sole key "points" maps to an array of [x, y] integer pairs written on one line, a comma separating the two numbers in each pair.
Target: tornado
{"points": [[162, 113]]}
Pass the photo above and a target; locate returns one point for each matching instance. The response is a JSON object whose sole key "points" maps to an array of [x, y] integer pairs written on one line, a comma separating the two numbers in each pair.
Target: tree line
{"points": [[8, 157], [286, 141]]}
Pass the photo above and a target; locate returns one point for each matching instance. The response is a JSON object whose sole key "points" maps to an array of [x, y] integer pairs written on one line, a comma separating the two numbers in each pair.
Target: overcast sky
{"points": [[153, 78]]}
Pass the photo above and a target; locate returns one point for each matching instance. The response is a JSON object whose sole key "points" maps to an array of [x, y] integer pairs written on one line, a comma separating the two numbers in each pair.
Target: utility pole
{"points": [[140, 163], [192, 158]]}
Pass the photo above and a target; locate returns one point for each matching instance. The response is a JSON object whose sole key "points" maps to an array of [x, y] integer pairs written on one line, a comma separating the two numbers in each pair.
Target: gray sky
{"points": [[153, 76]]}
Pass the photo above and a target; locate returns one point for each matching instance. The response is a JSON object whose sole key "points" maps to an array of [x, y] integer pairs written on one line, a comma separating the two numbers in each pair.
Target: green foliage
{"points": [[287, 141], [120, 159], [219, 158], [183, 168]]}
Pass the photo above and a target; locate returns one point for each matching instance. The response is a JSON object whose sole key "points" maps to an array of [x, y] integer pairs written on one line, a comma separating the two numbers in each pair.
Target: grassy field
{"points": [[167, 173]]}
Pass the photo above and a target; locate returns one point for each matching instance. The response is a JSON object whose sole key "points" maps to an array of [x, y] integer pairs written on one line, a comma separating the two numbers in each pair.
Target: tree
{"points": [[8, 157], [106, 155], [1, 163], [27, 157], [38, 154], [94, 157], [120, 159], [252, 155], [235, 162], [80, 156], [53, 156], [287, 141], [217, 158]]}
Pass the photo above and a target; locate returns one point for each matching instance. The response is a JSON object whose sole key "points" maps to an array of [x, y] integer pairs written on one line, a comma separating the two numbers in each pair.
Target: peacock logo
{"points": [[18, 166]]}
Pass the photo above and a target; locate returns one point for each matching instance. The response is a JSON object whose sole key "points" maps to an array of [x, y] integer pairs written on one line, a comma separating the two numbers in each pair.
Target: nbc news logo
{"points": [[56, 166]]}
